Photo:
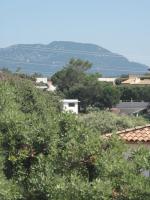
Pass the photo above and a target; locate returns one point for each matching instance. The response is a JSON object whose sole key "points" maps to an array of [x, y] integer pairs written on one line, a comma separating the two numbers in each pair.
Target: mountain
{"points": [[47, 59]]}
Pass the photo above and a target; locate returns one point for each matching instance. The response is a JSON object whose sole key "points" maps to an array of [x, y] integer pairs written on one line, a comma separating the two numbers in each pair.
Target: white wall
{"points": [[74, 109], [43, 80], [109, 80]]}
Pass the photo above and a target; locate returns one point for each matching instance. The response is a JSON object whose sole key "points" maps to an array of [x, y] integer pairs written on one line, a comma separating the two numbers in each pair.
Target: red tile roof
{"points": [[137, 134]]}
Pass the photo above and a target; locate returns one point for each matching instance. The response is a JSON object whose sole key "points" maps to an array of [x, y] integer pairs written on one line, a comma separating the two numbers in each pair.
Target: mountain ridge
{"points": [[49, 58]]}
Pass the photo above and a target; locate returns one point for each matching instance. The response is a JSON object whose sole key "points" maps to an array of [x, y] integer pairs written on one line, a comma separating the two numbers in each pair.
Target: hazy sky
{"points": [[122, 26]]}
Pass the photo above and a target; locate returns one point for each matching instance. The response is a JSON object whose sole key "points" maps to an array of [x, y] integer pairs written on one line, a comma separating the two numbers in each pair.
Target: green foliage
{"points": [[9, 190], [48, 155], [136, 93], [111, 96], [70, 75], [107, 122], [88, 93], [79, 65], [73, 82]]}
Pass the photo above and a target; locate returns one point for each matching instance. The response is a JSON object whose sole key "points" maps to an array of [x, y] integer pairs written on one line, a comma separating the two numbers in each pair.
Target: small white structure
{"points": [[44, 84], [41, 83], [108, 80], [70, 105], [41, 80]]}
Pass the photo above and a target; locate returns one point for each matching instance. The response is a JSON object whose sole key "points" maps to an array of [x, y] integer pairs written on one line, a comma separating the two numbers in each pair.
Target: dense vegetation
{"points": [[49, 155], [74, 82], [136, 93], [107, 122]]}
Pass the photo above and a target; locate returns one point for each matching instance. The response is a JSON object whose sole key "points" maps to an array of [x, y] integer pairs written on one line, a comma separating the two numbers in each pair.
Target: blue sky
{"points": [[122, 26]]}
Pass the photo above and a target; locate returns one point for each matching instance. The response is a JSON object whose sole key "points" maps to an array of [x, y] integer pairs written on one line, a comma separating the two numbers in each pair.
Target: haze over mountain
{"points": [[47, 59]]}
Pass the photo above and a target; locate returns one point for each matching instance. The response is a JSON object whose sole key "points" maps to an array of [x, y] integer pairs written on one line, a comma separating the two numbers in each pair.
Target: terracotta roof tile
{"points": [[137, 134]]}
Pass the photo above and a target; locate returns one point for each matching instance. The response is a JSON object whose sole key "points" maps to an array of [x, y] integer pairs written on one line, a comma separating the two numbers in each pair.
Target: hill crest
{"points": [[47, 59]]}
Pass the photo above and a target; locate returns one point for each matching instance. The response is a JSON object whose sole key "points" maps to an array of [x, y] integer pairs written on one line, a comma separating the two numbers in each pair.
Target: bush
{"points": [[106, 122]]}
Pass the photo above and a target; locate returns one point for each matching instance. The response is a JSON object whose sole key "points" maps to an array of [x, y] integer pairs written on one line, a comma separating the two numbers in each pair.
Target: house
{"points": [[108, 80], [70, 105], [44, 84], [41, 83], [41, 80], [131, 108], [134, 80]]}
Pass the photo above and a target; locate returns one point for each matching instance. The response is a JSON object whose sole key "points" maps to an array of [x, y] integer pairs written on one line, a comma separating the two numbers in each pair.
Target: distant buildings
{"points": [[132, 80], [43, 83], [70, 105], [108, 80], [135, 80]]}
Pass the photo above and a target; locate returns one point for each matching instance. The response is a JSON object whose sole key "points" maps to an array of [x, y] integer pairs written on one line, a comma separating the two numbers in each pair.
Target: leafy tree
{"points": [[88, 93], [111, 96], [136, 93], [72, 74], [73, 82]]}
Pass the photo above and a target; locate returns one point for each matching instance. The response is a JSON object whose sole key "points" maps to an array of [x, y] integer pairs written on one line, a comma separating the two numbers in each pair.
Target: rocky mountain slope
{"points": [[47, 59]]}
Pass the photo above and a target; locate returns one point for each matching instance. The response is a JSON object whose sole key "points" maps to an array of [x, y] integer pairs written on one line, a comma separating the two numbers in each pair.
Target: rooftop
{"points": [[107, 79], [136, 81], [132, 107], [137, 134], [70, 100]]}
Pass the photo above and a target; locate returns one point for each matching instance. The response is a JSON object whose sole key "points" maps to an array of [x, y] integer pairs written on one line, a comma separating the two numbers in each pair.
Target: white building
{"points": [[41, 80], [44, 84], [108, 80], [70, 105]]}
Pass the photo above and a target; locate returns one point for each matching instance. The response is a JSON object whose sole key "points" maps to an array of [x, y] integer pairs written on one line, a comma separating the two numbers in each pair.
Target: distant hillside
{"points": [[47, 59]]}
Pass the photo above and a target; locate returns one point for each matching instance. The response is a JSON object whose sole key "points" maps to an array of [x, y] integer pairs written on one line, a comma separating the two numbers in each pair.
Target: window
{"points": [[71, 104]]}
